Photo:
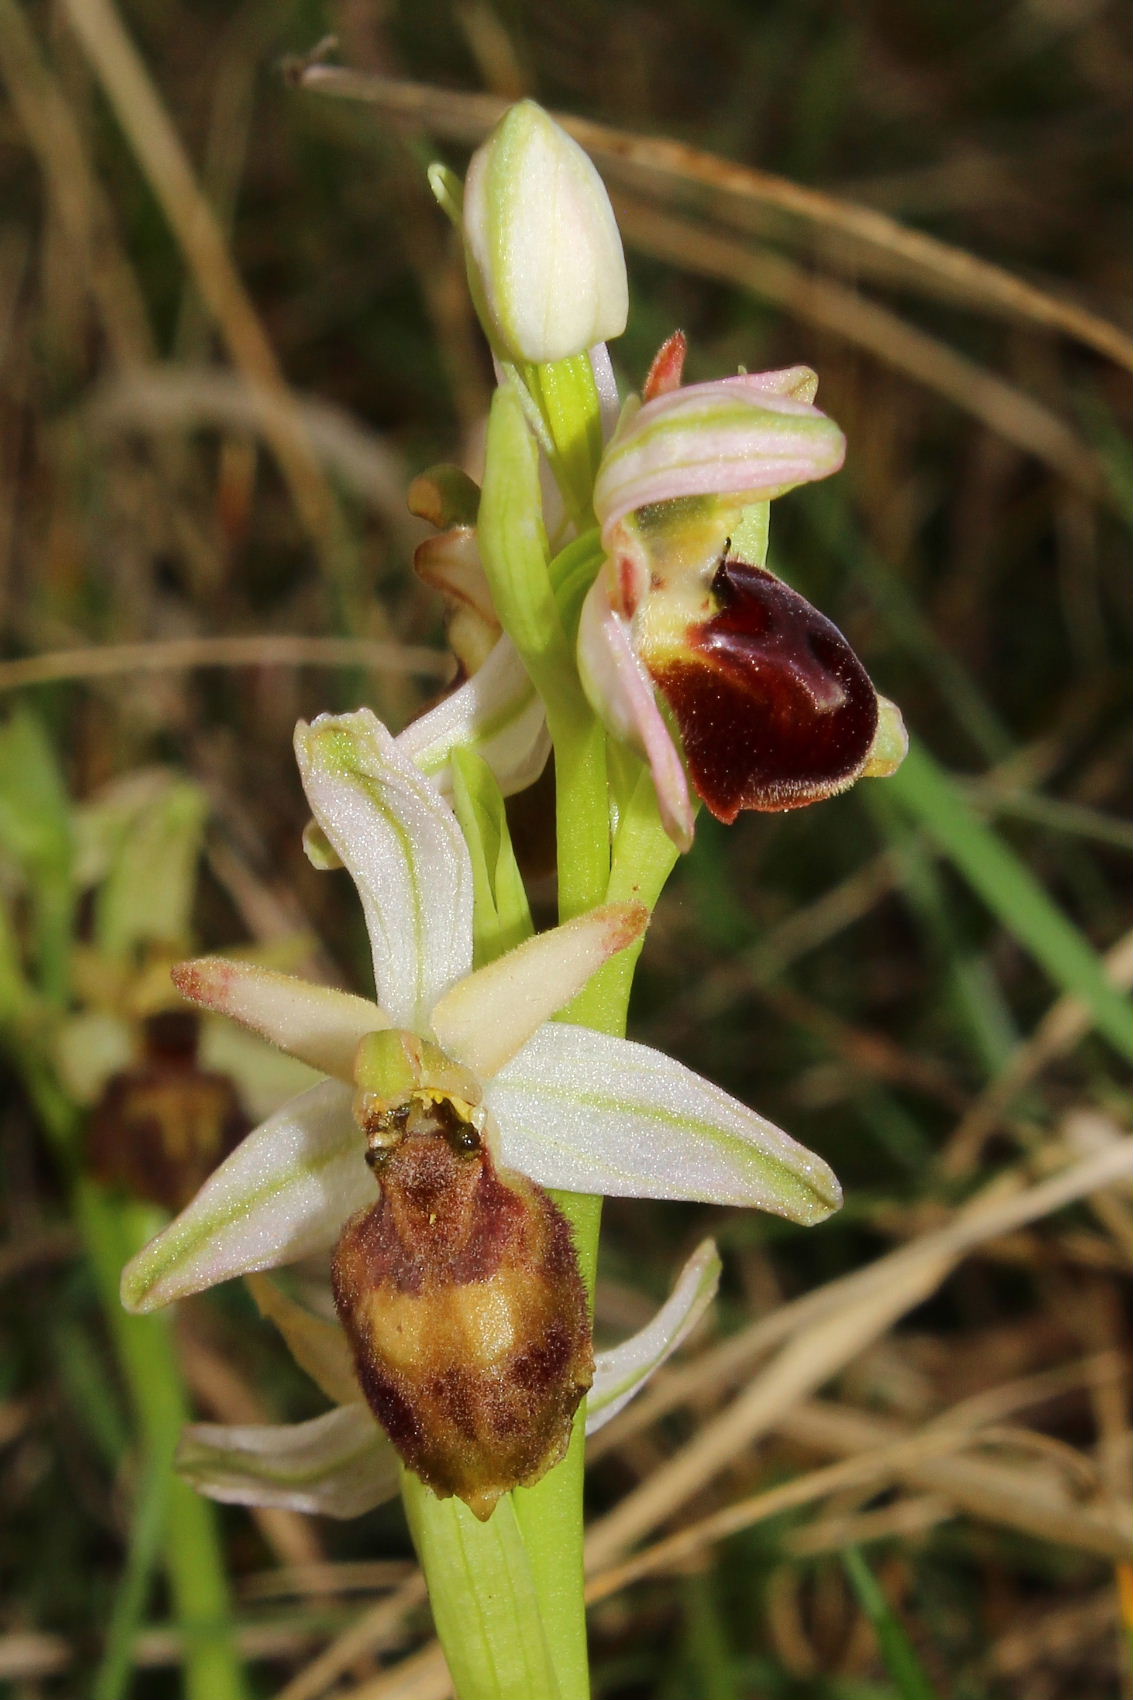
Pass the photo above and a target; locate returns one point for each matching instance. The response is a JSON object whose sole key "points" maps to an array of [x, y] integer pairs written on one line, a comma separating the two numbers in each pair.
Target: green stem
{"points": [[567, 397], [548, 1516], [147, 1529], [583, 829], [485, 1603]]}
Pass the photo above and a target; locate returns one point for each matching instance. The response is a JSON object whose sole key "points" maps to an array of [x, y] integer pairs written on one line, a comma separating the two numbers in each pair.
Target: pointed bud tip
{"points": [[668, 366], [203, 980]]}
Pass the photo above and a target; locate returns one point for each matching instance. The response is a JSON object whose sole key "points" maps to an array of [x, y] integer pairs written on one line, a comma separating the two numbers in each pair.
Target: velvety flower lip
{"points": [[724, 678], [341, 1464], [563, 1105], [775, 709]]}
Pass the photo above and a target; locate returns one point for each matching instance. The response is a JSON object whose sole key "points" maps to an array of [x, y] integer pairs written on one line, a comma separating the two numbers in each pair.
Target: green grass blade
{"points": [[897, 1650], [1011, 892], [147, 1529]]}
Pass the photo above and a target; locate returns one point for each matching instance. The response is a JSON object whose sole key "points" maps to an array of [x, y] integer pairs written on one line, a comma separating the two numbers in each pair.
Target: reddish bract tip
{"points": [[667, 369], [775, 709]]}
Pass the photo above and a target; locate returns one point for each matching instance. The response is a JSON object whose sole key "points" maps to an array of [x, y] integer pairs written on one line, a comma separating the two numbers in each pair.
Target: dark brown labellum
{"points": [[161, 1128], [774, 708], [462, 1299]]}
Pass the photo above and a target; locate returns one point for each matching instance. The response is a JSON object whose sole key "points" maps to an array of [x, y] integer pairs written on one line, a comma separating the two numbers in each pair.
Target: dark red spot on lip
{"points": [[775, 709]]}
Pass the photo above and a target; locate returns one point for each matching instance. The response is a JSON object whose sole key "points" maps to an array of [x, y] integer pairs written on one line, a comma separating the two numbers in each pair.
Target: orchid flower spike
{"points": [[463, 1099], [696, 655]]}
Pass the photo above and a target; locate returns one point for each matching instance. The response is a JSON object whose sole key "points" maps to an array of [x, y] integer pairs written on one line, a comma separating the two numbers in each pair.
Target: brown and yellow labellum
{"points": [[462, 1299], [774, 708], [162, 1126]]}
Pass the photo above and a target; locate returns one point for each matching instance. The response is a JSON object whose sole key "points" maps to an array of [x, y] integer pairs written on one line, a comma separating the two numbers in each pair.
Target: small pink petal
{"points": [[487, 1018], [668, 367], [748, 436]]}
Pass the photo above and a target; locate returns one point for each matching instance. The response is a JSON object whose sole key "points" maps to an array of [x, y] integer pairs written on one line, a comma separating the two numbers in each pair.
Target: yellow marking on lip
{"points": [[474, 1325]]}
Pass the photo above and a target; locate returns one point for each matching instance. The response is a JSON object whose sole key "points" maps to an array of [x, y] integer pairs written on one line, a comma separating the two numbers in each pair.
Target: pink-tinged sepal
{"points": [[621, 692], [750, 437]]}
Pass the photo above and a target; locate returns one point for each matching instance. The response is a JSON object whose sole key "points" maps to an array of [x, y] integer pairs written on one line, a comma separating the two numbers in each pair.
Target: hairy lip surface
{"points": [[775, 709]]}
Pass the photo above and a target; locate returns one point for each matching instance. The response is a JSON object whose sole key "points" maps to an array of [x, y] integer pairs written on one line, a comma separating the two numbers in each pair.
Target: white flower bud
{"points": [[545, 259]]}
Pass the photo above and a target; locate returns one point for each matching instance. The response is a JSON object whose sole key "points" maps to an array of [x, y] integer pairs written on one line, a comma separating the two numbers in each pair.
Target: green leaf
{"points": [[35, 812], [147, 896], [513, 548], [36, 828]]}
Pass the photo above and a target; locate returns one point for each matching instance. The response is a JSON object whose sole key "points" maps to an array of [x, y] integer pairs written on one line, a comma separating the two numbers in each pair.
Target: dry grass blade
{"points": [[908, 1517], [880, 1452], [466, 117], [163, 159], [168, 398], [366, 1576], [30, 1657], [998, 405], [832, 1340], [78, 197], [374, 1629], [1064, 1024], [1023, 1497], [254, 651], [1055, 1632], [423, 1676]]}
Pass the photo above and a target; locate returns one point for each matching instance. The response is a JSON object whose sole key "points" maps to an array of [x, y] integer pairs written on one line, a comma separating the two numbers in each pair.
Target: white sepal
{"points": [[340, 1464], [284, 1193], [404, 851], [624, 1370], [497, 713], [587, 1112]]}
